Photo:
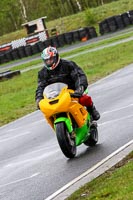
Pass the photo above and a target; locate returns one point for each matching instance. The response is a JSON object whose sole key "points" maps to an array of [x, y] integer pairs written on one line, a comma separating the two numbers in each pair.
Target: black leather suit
{"points": [[67, 72]]}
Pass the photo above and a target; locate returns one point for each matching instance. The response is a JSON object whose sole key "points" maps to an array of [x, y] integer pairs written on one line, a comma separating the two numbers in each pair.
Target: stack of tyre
{"points": [[71, 37], [9, 74], [68, 38], [115, 23]]}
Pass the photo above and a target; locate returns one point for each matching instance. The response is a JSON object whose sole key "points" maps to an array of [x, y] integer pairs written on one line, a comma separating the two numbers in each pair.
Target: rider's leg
{"points": [[86, 100]]}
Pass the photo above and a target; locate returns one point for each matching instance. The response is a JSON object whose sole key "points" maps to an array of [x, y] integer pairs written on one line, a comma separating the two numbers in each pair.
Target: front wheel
{"points": [[66, 143]]}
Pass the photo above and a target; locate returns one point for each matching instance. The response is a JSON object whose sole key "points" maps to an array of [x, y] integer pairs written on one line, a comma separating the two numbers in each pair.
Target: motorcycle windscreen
{"points": [[51, 91]]}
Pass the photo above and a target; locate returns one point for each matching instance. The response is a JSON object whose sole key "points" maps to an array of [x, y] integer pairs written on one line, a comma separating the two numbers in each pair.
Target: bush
{"points": [[90, 17]]}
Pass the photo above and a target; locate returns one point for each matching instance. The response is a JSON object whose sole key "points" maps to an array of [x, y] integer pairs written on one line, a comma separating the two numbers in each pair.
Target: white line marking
{"points": [[100, 47], [33, 159], [115, 120], [16, 136], [19, 180], [88, 171], [117, 109]]}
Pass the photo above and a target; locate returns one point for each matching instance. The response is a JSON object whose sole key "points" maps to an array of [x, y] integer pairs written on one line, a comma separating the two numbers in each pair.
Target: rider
{"points": [[57, 69]]}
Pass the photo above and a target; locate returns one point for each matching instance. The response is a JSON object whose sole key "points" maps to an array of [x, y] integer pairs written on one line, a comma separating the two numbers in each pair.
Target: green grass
{"points": [[17, 94], [103, 62], [115, 184]]}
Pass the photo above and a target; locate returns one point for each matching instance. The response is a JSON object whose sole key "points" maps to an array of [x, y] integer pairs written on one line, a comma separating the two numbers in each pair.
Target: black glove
{"points": [[78, 92]]}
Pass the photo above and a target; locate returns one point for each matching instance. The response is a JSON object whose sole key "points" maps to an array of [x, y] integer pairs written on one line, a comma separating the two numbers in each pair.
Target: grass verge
{"points": [[115, 184]]}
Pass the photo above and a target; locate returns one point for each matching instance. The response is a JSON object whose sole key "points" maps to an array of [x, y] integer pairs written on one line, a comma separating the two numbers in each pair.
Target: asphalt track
{"points": [[32, 165]]}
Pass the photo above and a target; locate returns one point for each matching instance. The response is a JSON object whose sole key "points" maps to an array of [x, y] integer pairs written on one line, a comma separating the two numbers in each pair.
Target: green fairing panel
{"points": [[82, 133], [67, 122]]}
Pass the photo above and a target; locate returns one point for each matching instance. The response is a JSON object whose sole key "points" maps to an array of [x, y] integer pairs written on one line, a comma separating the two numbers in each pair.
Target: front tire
{"points": [[66, 143]]}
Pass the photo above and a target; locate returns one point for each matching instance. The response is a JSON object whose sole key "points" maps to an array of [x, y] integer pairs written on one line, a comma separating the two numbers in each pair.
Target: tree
{"points": [[23, 11]]}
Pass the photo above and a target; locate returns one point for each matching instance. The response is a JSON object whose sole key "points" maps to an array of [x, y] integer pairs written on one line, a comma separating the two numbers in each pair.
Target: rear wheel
{"points": [[66, 143], [93, 138]]}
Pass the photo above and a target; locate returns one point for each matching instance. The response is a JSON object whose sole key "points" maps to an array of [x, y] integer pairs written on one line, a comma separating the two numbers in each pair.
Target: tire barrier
{"points": [[119, 22], [115, 23], [2, 59], [8, 74], [68, 38], [61, 40], [91, 32], [104, 27], [83, 36], [47, 42], [40, 46], [111, 24], [55, 42], [21, 52], [15, 54], [28, 50], [131, 16], [35, 49], [126, 19], [8, 55], [76, 36]]}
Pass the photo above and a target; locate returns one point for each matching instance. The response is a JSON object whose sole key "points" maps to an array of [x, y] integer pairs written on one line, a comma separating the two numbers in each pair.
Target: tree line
{"points": [[13, 13]]}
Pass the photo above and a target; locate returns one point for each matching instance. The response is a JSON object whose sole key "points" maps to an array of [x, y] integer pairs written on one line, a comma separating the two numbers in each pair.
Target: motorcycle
{"points": [[70, 120]]}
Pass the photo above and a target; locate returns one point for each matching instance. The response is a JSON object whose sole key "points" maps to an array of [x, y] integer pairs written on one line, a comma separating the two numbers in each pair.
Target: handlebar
{"points": [[75, 95]]}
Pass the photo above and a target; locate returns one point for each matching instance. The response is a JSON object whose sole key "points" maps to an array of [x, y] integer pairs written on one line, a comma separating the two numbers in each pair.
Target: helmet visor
{"points": [[50, 62]]}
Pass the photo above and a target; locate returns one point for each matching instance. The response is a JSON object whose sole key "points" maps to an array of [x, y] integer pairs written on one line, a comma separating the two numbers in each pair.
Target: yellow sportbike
{"points": [[68, 118]]}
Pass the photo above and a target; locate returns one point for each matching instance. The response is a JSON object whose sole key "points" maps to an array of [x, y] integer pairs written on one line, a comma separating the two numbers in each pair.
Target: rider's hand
{"points": [[78, 92]]}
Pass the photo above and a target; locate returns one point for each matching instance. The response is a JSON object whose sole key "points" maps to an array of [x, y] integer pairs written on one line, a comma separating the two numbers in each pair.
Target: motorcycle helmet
{"points": [[50, 57]]}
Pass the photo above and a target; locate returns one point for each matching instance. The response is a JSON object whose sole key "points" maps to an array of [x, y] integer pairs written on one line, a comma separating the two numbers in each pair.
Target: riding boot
{"points": [[93, 112]]}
